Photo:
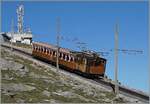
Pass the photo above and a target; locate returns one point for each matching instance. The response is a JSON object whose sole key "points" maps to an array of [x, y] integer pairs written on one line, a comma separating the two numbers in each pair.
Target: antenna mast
{"points": [[20, 13]]}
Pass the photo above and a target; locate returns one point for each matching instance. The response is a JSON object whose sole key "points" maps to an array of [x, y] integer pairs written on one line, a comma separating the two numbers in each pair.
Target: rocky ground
{"points": [[23, 81]]}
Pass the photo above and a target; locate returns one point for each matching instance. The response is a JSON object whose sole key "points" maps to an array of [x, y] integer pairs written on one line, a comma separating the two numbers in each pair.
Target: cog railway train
{"points": [[87, 63]]}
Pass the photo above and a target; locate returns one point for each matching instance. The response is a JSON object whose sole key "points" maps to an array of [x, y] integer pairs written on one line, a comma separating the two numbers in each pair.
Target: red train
{"points": [[88, 63]]}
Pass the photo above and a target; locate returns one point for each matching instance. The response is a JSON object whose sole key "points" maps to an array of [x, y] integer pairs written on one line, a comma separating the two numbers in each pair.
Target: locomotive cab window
{"points": [[97, 63], [102, 61]]}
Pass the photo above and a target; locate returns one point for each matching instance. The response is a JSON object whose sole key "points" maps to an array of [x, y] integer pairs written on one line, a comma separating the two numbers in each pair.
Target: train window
{"points": [[37, 48], [102, 61], [48, 51], [34, 47], [64, 56], [71, 59], [40, 49], [55, 53], [78, 59], [67, 58], [44, 50], [60, 54]]}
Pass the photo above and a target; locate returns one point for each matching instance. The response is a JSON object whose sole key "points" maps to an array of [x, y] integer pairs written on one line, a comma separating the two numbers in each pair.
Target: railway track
{"points": [[106, 83]]}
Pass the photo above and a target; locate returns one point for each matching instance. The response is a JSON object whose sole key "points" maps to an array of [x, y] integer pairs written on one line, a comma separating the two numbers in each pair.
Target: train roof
{"points": [[87, 54], [65, 50]]}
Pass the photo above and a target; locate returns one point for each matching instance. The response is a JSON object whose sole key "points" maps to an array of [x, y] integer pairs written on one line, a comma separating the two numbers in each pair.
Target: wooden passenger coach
{"points": [[85, 62]]}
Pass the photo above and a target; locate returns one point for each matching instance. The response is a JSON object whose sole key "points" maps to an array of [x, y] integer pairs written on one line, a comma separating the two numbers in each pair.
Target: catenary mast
{"points": [[116, 60]]}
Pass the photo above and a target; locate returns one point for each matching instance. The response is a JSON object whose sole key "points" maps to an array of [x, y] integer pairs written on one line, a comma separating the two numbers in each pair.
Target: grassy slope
{"points": [[56, 83]]}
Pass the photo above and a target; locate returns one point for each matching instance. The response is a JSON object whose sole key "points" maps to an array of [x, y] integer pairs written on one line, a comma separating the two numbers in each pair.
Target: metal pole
{"points": [[0, 48], [58, 37], [116, 61], [149, 48], [12, 32]]}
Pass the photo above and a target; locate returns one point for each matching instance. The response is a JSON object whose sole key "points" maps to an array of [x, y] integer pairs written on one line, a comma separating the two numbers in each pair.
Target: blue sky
{"points": [[92, 23]]}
